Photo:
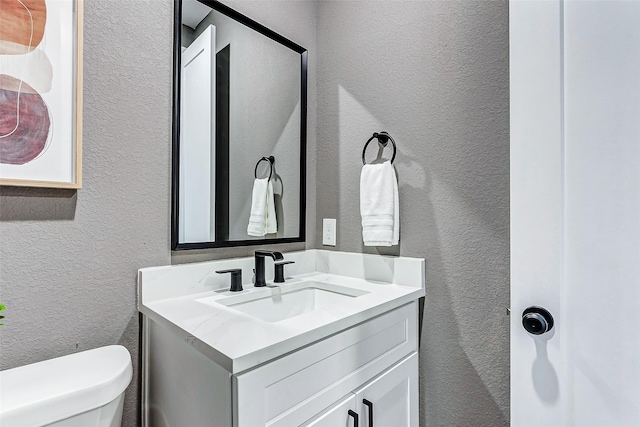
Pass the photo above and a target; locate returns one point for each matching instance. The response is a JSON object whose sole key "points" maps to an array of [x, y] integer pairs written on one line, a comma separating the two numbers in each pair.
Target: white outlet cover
{"points": [[329, 231]]}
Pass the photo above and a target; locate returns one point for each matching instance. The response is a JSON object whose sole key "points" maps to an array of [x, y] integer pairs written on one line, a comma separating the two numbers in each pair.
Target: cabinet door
{"points": [[392, 397], [337, 415], [292, 389]]}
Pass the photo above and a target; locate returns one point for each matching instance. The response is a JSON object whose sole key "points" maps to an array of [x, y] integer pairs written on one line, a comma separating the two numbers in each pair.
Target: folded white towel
{"points": [[272, 223], [263, 213], [379, 205]]}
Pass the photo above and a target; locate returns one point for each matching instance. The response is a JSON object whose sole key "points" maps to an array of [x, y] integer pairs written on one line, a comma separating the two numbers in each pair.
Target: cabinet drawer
{"points": [[289, 390]]}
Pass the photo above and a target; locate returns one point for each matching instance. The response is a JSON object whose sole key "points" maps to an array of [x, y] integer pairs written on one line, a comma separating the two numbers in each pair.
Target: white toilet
{"points": [[79, 390]]}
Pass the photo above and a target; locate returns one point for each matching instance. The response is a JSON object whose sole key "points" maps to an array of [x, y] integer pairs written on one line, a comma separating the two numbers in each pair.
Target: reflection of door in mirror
{"points": [[223, 77], [197, 139]]}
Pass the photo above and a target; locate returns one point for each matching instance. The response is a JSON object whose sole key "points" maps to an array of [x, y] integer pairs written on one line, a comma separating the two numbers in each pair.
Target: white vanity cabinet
{"points": [[292, 389], [316, 385], [340, 414], [391, 399], [210, 357]]}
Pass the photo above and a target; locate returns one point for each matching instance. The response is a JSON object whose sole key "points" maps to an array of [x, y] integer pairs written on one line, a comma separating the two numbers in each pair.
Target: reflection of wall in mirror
{"points": [[187, 37], [261, 72]]}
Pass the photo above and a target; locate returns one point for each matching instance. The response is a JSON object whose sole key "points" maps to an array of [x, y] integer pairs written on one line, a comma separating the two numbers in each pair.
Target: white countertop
{"points": [[173, 297]]}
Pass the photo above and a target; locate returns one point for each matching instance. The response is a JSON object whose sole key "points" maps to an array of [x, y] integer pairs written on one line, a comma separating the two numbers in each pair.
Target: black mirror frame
{"points": [[175, 160]]}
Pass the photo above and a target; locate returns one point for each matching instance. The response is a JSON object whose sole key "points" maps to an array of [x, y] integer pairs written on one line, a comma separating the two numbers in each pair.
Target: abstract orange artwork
{"points": [[40, 93], [22, 25]]}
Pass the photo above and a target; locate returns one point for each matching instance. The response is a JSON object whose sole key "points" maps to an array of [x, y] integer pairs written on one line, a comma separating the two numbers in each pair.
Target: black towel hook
{"points": [[271, 161], [383, 138]]}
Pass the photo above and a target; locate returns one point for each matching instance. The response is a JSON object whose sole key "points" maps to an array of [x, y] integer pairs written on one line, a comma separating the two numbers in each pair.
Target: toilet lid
{"points": [[55, 389]]}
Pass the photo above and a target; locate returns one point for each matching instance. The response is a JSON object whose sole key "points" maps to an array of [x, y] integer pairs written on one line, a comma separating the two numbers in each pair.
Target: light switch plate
{"points": [[329, 231]]}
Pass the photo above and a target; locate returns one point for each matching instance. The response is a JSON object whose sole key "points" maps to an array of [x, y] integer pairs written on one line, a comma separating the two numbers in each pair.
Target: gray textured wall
{"points": [[434, 74], [69, 259]]}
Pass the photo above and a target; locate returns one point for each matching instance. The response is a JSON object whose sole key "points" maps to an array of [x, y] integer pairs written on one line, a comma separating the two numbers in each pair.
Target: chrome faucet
{"points": [[259, 270]]}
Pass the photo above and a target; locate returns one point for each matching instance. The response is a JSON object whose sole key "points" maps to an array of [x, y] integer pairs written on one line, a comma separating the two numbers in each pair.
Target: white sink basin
{"points": [[280, 303]]}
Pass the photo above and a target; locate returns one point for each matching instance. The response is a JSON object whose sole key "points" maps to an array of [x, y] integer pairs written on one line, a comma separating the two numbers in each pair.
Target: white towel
{"points": [[272, 223], [379, 205], [263, 212]]}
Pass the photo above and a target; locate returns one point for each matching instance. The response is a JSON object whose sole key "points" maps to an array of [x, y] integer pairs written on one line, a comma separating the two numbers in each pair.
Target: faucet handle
{"points": [[236, 278], [279, 273]]}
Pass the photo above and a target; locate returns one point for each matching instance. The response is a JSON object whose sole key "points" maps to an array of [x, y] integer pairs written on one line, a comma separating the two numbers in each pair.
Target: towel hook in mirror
{"points": [[383, 139], [271, 161]]}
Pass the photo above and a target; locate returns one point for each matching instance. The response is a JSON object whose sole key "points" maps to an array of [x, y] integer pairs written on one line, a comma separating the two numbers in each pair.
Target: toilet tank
{"points": [[46, 392]]}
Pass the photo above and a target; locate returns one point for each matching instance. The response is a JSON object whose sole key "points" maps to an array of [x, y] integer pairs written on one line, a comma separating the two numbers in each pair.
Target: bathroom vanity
{"points": [[335, 345]]}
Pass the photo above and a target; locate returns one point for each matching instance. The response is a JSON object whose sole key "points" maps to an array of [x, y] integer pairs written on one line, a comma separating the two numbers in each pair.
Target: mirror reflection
{"points": [[240, 142]]}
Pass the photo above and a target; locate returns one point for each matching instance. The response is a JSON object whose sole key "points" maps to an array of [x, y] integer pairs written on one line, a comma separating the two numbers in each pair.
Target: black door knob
{"points": [[537, 320]]}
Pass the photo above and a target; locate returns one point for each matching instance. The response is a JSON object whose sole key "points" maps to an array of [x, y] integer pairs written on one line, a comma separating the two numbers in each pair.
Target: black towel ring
{"points": [[383, 138], [271, 161]]}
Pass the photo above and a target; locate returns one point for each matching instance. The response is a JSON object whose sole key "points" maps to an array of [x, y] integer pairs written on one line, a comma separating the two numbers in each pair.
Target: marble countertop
{"points": [[238, 341]]}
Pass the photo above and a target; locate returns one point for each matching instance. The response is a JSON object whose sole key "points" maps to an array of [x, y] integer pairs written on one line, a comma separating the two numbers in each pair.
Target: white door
{"points": [[575, 211], [197, 140], [392, 398]]}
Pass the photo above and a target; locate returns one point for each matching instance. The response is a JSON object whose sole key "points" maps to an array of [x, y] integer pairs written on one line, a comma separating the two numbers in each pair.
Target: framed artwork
{"points": [[41, 93]]}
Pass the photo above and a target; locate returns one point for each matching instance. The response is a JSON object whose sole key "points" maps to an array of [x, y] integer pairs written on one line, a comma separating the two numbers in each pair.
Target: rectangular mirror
{"points": [[239, 131]]}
